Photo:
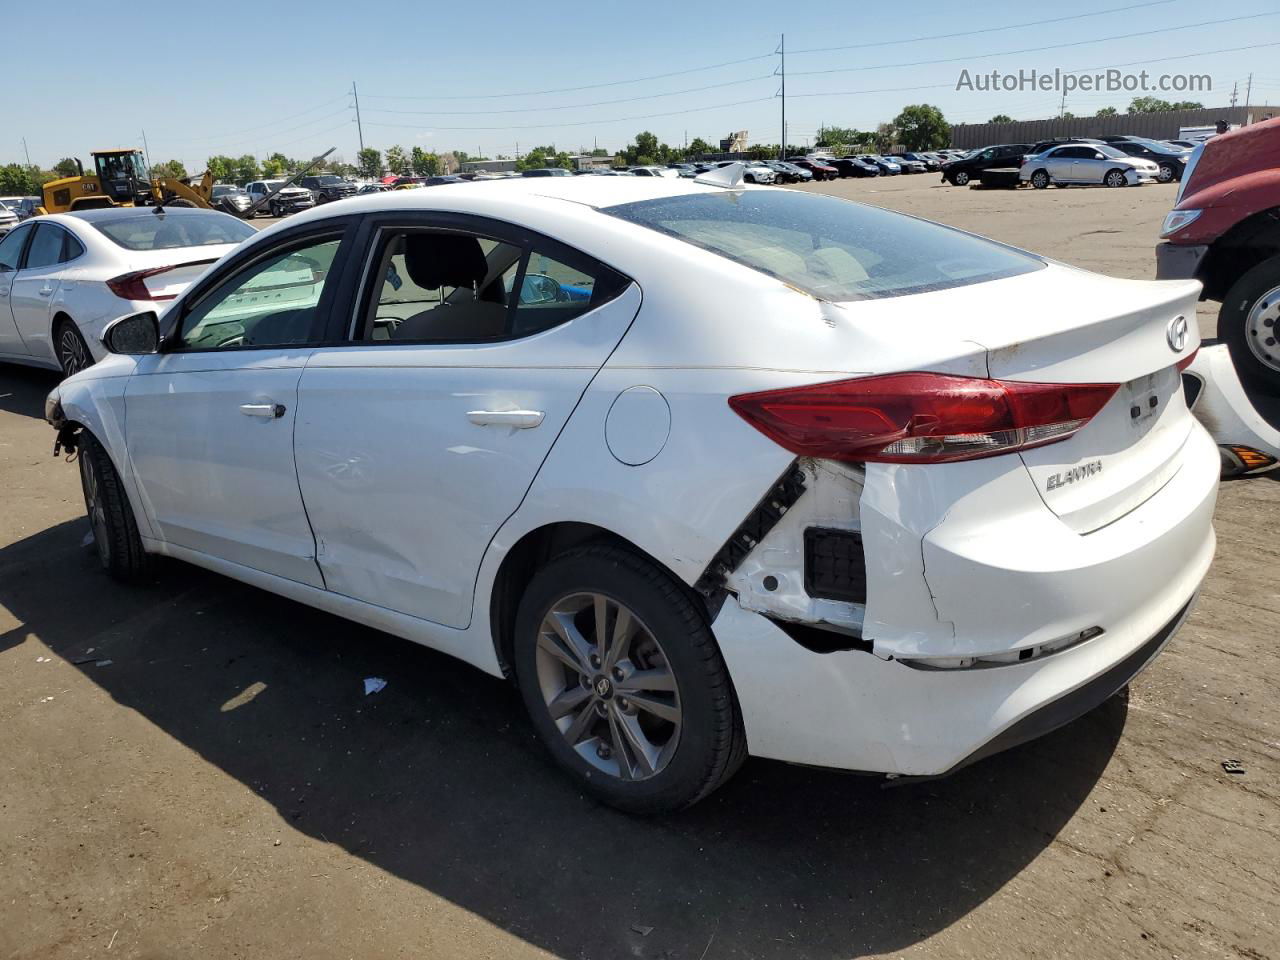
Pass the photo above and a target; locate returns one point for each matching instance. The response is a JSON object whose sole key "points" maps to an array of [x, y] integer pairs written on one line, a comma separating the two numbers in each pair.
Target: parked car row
{"points": [[1113, 161]]}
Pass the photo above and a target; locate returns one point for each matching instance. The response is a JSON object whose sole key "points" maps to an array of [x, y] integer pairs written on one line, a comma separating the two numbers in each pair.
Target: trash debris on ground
{"points": [[104, 663], [641, 929], [1233, 766], [374, 685], [44, 659]]}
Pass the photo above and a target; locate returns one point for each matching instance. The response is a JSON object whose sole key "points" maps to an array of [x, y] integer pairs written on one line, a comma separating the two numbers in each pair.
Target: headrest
{"points": [[435, 260]]}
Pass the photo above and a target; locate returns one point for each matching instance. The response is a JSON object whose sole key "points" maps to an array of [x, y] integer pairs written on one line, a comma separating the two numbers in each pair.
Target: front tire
{"points": [[960, 178], [1248, 322], [624, 682], [1115, 178], [115, 532]]}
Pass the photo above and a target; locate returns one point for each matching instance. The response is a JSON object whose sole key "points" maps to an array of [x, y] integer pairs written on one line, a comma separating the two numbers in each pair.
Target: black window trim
{"points": [[344, 229], [370, 239]]}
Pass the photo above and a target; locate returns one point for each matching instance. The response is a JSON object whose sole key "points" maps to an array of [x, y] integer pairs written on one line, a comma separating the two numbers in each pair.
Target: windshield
{"points": [[833, 249], [328, 180], [222, 190], [152, 231]]}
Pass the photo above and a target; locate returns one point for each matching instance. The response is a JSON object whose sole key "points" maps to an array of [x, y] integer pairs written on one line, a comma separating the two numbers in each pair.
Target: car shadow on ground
{"points": [[438, 780], [23, 389]]}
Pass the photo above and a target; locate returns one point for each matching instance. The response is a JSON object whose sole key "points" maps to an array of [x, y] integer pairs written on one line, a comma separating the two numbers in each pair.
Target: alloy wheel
{"points": [[1260, 329], [96, 509], [72, 352], [1165, 173], [961, 179], [1115, 179], [607, 684]]}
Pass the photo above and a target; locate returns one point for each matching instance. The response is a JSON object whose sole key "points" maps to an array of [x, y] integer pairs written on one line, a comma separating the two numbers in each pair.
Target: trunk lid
{"points": [[1102, 330]]}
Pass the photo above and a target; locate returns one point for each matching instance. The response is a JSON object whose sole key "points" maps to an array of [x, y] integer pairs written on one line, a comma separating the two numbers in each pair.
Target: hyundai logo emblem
{"points": [[1177, 334]]}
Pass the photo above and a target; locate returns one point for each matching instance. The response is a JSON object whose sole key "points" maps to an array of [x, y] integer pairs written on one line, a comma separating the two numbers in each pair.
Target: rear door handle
{"points": [[46, 291], [269, 411], [520, 419]]}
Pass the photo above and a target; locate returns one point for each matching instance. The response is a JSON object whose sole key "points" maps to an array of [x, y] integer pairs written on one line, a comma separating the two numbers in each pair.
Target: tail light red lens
{"points": [[1188, 360], [921, 417], [132, 286]]}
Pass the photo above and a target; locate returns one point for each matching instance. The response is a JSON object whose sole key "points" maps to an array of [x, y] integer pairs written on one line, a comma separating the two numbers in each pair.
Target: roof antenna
{"points": [[730, 175]]}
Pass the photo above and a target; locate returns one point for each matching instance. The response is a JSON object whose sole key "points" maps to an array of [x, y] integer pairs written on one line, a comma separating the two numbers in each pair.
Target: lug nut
{"points": [[618, 674], [604, 752]]}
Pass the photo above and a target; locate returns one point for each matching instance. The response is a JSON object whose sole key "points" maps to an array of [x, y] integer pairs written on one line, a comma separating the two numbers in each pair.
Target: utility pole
{"points": [[359, 126], [1063, 108], [146, 152], [1234, 87], [782, 69], [1248, 91], [26, 151]]}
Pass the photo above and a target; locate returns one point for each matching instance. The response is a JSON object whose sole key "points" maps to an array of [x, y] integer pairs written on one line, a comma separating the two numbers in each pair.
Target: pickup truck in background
{"points": [[1224, 230], [328, 187]]}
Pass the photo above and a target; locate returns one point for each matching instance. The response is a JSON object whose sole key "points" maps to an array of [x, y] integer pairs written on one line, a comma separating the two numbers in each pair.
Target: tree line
{"points": [[1138, 105]]}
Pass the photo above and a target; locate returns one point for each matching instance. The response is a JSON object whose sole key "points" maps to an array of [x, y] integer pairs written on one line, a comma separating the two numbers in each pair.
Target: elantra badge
{"points": [[1074, 475], [1177, 334]]}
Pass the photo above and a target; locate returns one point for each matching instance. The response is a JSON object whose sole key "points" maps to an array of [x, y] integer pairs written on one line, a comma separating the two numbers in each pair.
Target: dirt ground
{"points": [[191, 769]]}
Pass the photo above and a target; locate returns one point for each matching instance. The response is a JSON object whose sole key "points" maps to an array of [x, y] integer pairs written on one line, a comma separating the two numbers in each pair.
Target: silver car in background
{"points": [[1086, 163]]}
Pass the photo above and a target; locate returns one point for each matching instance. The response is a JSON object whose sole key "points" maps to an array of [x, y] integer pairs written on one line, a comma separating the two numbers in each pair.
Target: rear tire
{"points": [[1248, 323], [1167, 173], [115, 532], [691, 742], [73, 353]]}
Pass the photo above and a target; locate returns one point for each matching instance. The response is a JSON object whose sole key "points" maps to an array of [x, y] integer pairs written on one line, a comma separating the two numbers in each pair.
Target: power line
{"points": [[574, 106], [970, 33], [264, 126], [1054, 46], [577, 123], [1131, 63], [588, 86]]}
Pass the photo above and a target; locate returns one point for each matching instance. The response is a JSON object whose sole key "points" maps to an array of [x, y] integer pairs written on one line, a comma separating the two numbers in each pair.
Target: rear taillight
{"points": [[921, 417], [132, 286]]}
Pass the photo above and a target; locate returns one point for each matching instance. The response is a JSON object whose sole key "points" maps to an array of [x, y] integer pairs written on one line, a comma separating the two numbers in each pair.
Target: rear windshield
{"points": [[833, 249], [152, 231]]}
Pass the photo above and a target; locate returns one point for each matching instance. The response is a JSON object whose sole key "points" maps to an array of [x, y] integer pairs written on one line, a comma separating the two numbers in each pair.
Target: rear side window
{"points": [[449, 286], [151, 231], [46, 247], [833, 249]]}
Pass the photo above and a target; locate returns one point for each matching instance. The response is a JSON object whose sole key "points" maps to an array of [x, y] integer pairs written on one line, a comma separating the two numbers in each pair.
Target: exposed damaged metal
{"points": [[780, 498]]}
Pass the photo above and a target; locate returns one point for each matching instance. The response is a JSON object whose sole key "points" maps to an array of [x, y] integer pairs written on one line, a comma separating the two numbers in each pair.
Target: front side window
{"points": [[271, 303], [437, 286], [46, 247], [833, 249]]}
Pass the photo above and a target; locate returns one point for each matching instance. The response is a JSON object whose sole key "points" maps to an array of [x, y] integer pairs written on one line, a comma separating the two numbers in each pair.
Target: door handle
{"points": [[46, 291], [520, 419], [269, 411]]}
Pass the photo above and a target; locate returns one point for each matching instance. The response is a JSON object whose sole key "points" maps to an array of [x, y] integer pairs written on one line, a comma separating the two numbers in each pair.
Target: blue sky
{"points": [[254, 78]]}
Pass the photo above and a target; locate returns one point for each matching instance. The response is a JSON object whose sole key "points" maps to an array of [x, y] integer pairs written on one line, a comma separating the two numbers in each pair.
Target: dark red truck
{"points": [[1224, 231]]}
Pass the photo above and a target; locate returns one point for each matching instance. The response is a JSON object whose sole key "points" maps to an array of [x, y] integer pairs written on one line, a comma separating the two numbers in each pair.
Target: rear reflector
{"points": [[920, 417]]}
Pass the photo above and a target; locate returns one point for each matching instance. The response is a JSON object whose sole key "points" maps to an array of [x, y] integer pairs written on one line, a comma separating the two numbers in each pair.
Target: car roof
{"points": [[114, 213]]}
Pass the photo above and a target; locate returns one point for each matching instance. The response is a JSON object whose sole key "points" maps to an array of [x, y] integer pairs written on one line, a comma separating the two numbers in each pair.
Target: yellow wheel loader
{"points": [[120, 180]]}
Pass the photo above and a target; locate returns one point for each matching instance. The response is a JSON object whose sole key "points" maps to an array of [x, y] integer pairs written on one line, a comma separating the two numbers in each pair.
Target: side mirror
{"points": [[135, 334], [539, 288]]}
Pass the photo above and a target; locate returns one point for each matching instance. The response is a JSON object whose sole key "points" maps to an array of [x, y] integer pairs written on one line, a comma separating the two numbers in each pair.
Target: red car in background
{"points": [[1224, 231], [820, 170]]}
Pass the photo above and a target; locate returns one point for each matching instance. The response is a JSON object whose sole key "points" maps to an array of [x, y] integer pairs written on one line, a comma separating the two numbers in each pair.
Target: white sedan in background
{"points": [[64, 277], [705, 468], [1086, 164]]}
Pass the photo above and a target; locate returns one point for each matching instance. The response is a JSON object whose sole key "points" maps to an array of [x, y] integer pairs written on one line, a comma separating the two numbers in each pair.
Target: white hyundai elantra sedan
{"points": [[706, 469]]}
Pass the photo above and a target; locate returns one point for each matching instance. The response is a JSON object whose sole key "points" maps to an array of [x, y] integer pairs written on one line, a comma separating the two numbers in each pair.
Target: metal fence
{"points": [[1157, 126]]}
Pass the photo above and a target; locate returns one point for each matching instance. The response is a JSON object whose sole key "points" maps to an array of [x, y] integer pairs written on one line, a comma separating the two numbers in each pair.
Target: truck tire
{"points": [[1249, 324]]}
